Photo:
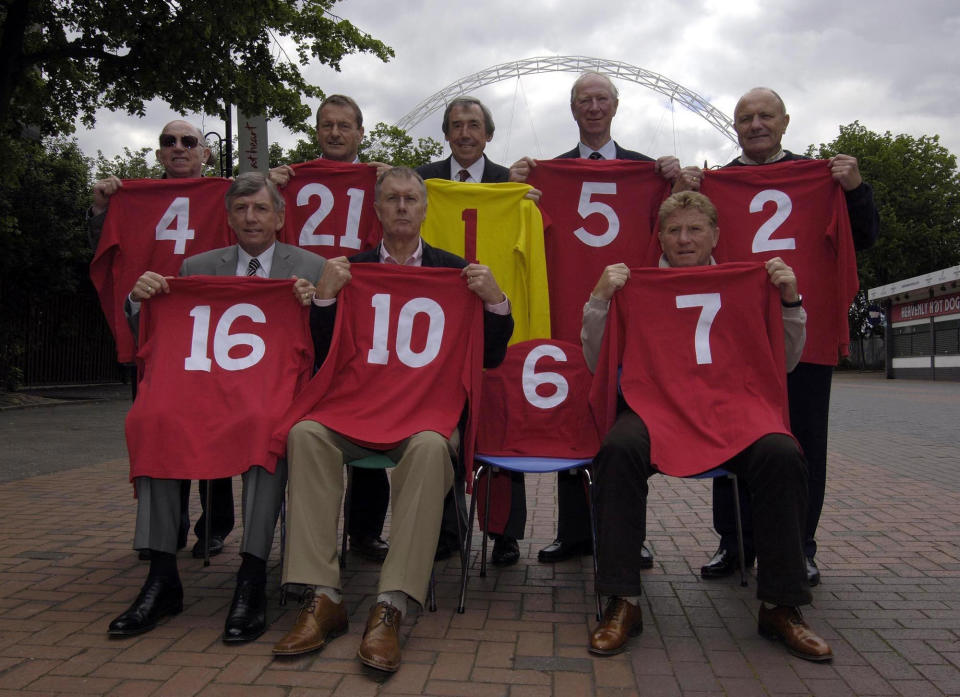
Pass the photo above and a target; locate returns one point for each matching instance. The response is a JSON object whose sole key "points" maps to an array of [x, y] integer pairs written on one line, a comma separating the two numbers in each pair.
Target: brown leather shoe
{"points": [[621, 620], [787, 624], [319, 621], [380, 647]]}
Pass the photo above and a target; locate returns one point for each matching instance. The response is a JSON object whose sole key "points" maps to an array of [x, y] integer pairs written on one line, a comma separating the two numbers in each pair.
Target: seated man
{"points": [[424, 472], [255, 212], [772, 467]]}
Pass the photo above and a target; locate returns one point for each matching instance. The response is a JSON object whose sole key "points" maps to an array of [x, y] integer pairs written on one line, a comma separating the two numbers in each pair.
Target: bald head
{"points": [[760, 119], [183, 151]]}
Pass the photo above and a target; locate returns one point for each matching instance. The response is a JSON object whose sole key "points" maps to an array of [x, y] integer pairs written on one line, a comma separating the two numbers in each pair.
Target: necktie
{"points": [[463, 174], [253, 267], [596, 156]]}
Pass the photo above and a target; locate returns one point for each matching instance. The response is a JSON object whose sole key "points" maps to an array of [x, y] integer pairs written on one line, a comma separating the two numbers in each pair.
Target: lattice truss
{"points": [[572, 64]]}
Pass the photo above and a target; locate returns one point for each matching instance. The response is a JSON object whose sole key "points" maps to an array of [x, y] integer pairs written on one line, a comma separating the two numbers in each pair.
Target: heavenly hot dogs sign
{"points": [[933, 307]]}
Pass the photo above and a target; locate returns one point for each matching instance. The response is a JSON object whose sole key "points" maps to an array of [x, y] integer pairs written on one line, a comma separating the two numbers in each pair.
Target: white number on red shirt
{"points": [[308, 233], [177, 215], [784, 206], [223, 340], [587, 206], [710, 302], [379, 353], [532, 379]]}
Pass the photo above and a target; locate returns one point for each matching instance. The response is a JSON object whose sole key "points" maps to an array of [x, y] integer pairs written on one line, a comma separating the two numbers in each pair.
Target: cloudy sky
{"points": [[891, 64]]}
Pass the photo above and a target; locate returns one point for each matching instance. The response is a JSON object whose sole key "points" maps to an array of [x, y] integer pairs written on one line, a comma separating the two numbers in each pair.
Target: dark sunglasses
{"points": [[168, 141]]}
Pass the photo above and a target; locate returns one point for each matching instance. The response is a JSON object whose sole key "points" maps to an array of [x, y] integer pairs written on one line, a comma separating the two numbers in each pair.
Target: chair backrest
{"points": [[536, 403]]}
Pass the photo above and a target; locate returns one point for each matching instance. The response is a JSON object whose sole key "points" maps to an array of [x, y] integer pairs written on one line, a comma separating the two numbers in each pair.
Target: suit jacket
{"points": [[622, 154], [287, 261], [497, 329], [492, 172]]}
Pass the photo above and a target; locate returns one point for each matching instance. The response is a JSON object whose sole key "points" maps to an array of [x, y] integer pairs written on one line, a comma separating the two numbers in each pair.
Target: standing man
{"points": [[183, 152], [772, 466], [339, 133], [468, 126], [760, 118], [424, 471], [593, 102], [255, 212]]}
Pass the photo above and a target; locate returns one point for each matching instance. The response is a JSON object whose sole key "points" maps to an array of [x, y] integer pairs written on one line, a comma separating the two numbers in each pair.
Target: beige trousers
{"points": [[424, 474]]}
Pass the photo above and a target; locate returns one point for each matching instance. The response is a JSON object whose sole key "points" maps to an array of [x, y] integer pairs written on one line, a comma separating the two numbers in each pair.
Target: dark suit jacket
{"points": [[492, 172], [497, 329], [287, 261], [622, 154]]}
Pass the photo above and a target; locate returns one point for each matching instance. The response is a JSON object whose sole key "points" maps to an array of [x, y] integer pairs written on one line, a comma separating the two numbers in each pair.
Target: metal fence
{"points": [[68, 342]]}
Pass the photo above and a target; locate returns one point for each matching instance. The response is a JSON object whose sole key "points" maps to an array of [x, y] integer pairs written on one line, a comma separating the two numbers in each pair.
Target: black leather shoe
{"points": [[506, 551], [723, 563], [369, 547], [247, 618], [216, 546], [158, 598], [646, 558], [813, 573], [447, 546], [559, 550]]}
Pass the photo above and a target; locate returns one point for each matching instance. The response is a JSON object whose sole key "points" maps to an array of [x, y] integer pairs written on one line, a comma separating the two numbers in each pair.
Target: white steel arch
{"points": [[572, 64]]}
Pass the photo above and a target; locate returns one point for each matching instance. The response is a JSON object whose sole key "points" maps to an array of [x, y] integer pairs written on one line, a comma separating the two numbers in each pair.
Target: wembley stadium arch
{"points": [[572, 64]]}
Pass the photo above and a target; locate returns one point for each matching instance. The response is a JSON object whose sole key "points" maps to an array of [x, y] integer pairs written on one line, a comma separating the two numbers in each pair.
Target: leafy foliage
{"points": [[917, 191], [64, 59], [384, 143]]}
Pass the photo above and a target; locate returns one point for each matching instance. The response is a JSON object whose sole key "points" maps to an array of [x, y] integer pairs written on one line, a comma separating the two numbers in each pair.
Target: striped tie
{"points": [[253, 267]]}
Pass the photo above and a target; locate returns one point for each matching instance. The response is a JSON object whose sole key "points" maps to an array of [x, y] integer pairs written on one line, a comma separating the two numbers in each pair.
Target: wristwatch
{"points": [[796, 303]]}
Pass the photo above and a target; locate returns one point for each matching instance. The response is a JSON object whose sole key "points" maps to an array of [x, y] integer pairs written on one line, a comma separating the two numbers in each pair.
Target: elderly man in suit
{"points": [[424, 471], [468, 127], [593, 102], [255, 211], [183, 152]]}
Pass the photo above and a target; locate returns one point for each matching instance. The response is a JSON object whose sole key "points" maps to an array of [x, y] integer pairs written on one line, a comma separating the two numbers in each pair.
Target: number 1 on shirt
{"points": [[469, 217]]}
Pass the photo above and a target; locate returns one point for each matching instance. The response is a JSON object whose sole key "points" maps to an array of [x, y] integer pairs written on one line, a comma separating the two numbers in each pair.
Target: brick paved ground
{"points": [[889, 602]]}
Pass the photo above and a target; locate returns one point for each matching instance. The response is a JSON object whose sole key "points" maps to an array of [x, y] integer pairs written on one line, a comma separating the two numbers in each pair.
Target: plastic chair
{"points": [[524, 428]]}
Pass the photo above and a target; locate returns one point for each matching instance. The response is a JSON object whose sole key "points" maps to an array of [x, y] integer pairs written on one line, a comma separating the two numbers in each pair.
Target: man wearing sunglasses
{"points": [[183, 152]]}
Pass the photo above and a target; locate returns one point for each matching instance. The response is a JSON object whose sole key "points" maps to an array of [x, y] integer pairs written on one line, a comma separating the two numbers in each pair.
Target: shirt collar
{"points": [[475, 170], [265, 258], [773, 158], [415, 260], [608, 150]]}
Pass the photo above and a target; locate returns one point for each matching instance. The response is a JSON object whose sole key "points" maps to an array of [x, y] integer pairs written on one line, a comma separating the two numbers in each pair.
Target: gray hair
{"points": [[466, 102], [583, 76], [250, 183], [399, 173]]}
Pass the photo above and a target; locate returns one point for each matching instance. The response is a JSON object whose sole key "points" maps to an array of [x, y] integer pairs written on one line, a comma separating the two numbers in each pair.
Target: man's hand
{"points": [[303, 290], [689, 179], [845, 171], [381, 167], [336, 274], [782, 277], [520, 170], [613, 278], [668, 167], [148, 285], [103, 189], [281, 175], [534, 195], [481, 281]]}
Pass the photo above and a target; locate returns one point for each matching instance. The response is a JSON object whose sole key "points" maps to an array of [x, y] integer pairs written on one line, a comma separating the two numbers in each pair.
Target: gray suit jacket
{"points": [[287, 261]]}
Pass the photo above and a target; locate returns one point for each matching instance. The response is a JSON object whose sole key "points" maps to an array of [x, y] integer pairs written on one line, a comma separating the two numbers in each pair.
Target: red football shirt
{"points": [[153, 225], [330, 208], [223, 357], [702, 359], [596, 213], [796, 211]]}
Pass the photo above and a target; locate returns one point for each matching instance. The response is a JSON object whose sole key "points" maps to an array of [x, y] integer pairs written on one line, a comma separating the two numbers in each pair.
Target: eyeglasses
{"points": [[168, 140]]}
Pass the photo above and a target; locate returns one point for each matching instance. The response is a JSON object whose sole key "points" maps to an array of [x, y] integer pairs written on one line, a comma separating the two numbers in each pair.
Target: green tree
{"points": [[384, 143], [130, 165], [60, 60], [917, 191], [43, 240]]}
